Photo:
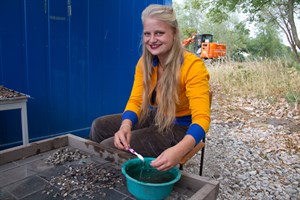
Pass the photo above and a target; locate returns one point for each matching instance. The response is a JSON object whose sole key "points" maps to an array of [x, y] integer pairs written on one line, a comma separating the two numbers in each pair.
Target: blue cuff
{"points": [[132, 116], [197, 132]]}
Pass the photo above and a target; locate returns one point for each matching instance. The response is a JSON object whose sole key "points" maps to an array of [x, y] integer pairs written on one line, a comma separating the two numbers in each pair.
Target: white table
{"points": [[18, 103]]}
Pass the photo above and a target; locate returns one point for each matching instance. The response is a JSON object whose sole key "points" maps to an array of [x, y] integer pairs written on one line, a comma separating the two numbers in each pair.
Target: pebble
{"points": [[82, 180], [251, 161], [64, 155]]}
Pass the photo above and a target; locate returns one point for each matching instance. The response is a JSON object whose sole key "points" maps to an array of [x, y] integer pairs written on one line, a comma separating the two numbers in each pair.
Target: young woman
{"points": [[168, 111]]}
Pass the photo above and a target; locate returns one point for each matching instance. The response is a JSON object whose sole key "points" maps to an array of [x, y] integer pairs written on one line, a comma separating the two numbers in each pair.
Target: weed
{"points": [[269, 79], [292, 96]]}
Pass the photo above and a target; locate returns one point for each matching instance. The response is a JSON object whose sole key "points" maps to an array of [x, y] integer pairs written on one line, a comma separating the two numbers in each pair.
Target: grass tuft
{"points": [[264, 79]]}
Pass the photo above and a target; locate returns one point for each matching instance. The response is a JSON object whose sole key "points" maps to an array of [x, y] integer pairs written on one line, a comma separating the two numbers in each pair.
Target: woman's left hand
{"points": [[166, 160]]}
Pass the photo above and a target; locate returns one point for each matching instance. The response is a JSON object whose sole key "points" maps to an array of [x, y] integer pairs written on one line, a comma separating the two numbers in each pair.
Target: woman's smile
{"points": [[155, 46]]}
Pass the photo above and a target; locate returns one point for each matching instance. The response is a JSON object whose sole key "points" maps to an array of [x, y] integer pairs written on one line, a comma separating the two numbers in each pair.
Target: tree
{"points": [[191, 15], [279, 12], [267, 44]]}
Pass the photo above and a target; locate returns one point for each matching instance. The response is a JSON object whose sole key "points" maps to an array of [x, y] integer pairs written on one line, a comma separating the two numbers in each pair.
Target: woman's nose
{"points": [[153, 39]]}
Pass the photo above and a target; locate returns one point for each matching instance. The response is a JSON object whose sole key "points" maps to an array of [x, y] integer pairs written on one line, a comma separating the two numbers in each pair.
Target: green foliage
{"points": [[293, 96], [188, 31], [252, 7], [218, 16], [267, 44], [278, 13], [215, 17], [196, 4], [189, 17], [292, 64]]}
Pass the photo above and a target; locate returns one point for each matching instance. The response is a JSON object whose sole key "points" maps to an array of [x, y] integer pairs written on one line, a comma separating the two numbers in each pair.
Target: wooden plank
{"points": [[22, 152], [109, 154], [203, 188], [207, 192], [194, 182]]}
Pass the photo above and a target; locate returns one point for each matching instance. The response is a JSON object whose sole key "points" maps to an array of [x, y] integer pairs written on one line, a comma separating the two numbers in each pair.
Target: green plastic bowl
{"points": [[147, 183]]}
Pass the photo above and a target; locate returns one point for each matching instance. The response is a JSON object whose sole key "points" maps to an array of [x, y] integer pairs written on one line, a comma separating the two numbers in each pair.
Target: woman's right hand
{"points": [[122, 137]]}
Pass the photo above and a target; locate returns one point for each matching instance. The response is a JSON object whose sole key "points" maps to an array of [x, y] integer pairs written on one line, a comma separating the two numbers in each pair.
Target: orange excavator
{"points": [[204, 46]]}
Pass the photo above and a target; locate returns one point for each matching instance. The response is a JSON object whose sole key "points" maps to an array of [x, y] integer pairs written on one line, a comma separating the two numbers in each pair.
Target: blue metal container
{"points": [[75, 58]]}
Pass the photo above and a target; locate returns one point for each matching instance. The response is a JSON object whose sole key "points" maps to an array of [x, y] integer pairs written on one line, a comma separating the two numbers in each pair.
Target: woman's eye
{"points": [[159, 33]]}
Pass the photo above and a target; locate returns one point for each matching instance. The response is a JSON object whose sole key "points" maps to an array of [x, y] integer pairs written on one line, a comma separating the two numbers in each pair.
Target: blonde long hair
{"points": [[169, 82]]}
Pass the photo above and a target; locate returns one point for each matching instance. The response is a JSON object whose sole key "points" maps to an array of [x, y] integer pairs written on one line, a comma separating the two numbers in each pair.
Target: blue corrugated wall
{"points": [[75, 58]]}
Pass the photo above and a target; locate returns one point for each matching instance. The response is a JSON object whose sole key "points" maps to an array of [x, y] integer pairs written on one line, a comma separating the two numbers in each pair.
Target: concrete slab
{"points": [[25, 187], [14, 174]]}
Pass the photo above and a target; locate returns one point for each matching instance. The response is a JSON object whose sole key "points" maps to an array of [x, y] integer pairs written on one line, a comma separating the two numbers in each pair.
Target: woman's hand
{"points": [[122, 137], [167, 159], [172, 156]]}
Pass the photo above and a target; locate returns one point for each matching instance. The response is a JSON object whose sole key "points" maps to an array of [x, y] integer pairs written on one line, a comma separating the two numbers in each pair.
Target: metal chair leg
{"points": [[202, 159]]}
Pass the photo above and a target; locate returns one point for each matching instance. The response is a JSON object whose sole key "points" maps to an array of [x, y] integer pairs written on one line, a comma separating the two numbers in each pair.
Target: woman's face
{"points": [[158, 37]]}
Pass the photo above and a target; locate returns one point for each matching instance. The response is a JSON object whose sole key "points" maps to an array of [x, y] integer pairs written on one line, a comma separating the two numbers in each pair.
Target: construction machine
{"points": [[204, 46]]}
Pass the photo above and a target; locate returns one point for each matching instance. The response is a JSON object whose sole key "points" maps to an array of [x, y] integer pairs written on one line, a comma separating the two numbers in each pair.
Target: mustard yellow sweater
{"points": [[194, 105]]}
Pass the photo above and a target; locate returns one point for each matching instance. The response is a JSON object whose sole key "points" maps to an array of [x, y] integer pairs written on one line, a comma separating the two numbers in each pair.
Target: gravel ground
{"points": [[252, 149]]}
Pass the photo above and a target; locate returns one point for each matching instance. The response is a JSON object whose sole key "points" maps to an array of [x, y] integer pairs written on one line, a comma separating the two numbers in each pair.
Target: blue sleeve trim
{"points": [[132, 116], [197, 132]]}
